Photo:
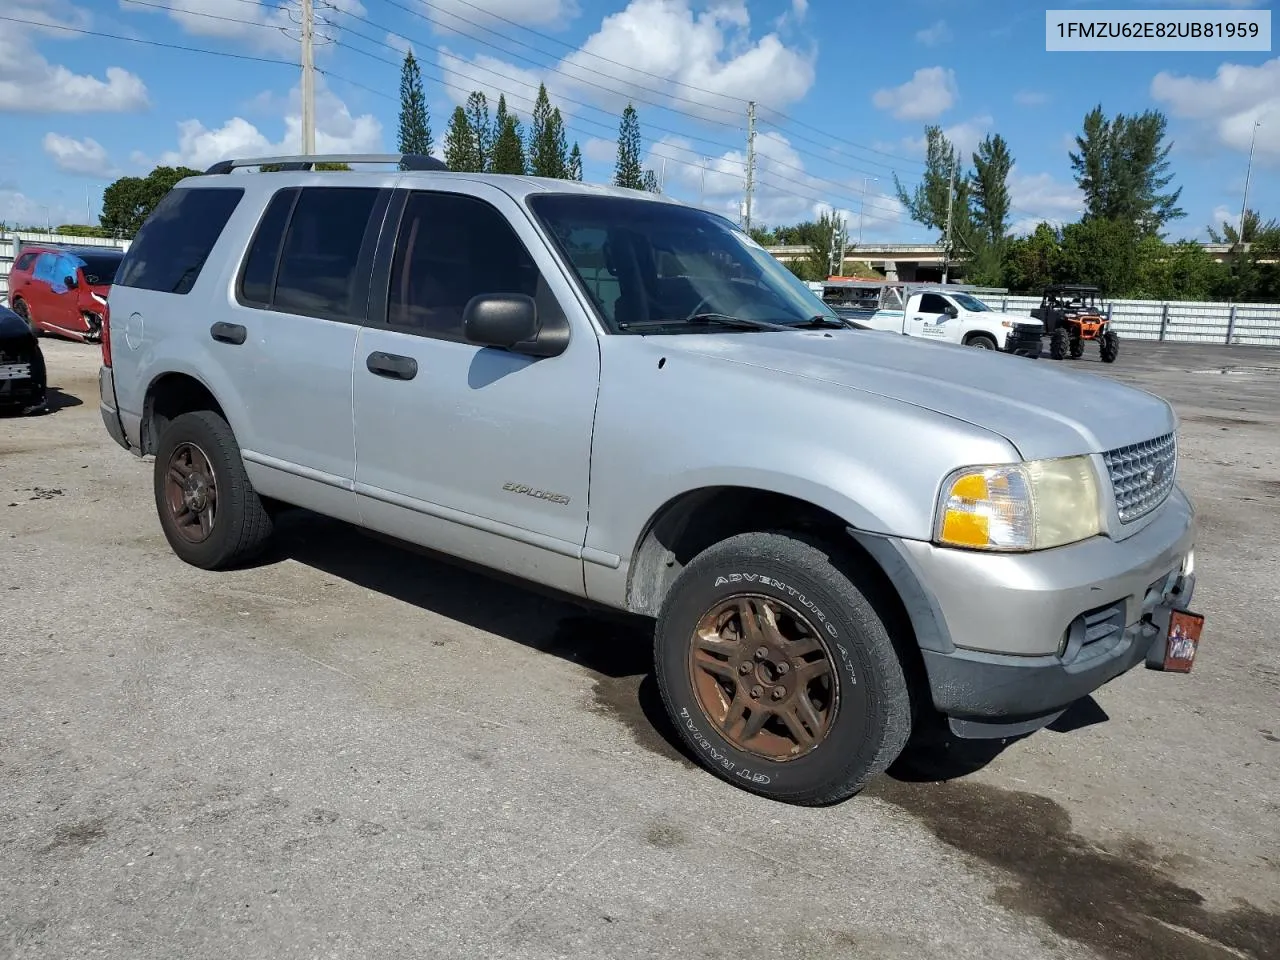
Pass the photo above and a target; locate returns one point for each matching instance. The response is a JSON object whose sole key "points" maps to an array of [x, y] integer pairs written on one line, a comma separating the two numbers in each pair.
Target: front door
{"points": [[927, 317], [475, 451]]}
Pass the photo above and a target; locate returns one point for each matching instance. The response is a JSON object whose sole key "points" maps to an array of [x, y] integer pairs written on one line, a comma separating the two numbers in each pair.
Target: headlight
{"points": [[1020, 506]]}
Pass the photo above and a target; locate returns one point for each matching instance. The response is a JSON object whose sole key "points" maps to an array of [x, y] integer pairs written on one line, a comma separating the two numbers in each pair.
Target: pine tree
{"points": [[650, 182], [542, 146], [415, 129], [558, 145], [460, 144], [481, 129], [627, 172], [989, 188], [575, 162], [508, 148]]}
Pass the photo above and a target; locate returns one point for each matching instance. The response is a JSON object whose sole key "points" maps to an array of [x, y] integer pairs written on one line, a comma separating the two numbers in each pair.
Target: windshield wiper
{"points": [[704, 319], [819, 321]]}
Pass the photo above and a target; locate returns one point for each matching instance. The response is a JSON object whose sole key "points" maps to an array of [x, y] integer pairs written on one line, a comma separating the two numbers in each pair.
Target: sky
{"points": [[843, 91]]}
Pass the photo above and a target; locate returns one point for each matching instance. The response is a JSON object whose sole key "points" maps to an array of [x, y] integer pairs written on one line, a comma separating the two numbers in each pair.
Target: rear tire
{"points": [[982, 341], [1110, 347], [21, 309], [795, 691], [208, 510], [1060, 343]]}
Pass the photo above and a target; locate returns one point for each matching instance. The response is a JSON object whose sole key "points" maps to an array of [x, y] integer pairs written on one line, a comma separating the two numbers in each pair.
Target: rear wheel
{"points": [[777, 671], [208, 510], [1110, 347], [1060, 343], [982, 341], [21, 309]]}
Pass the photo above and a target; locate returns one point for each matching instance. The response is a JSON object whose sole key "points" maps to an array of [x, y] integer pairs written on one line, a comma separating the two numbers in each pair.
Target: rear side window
{"points": [[321, 272], [174, 242], [259, 273]]}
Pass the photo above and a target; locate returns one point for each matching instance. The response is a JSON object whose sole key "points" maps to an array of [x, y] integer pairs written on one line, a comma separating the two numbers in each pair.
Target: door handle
{"points": [[228, 333], [392, 365]]}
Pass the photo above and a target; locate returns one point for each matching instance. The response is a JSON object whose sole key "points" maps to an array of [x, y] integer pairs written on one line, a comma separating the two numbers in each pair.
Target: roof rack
{"points": [[407, 161]]}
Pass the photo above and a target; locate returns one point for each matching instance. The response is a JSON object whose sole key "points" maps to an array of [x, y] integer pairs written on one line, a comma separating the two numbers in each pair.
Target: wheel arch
{"points": [[691, 521], [169, 395]]}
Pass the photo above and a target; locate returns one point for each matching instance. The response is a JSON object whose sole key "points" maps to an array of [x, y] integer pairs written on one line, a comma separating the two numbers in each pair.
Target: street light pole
{"points": [[1248, 170], [862, 210]]}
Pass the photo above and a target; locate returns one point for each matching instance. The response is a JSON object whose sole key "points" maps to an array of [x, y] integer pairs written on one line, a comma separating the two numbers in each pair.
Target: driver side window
{"points": [[933, 303]]}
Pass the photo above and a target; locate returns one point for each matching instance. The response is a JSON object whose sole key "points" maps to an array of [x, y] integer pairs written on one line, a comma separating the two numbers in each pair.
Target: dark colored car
{"points": [[63, 290], [22, 369]]}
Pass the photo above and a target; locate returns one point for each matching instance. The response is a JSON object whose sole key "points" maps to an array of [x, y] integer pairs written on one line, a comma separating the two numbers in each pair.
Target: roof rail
{"points": [[407, 161]]}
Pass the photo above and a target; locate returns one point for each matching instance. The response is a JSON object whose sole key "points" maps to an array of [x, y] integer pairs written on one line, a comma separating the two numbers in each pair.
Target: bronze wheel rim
{"points": [[763, 677], [191, 492]]}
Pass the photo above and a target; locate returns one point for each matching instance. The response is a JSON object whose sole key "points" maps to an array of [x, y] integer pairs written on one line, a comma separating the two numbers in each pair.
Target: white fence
{"points": [[1252, 324], [11, 243]]}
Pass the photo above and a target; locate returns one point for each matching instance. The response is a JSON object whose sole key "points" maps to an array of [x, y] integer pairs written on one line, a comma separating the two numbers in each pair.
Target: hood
{"points": [[12, 326], [1040, 406]]}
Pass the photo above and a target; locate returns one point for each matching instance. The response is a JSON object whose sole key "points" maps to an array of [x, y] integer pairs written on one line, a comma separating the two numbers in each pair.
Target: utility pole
{"points": [[308, 79], [862, 211], [1248, 170], [836, 253], [946, 243], [702, 180], [751, 164]]}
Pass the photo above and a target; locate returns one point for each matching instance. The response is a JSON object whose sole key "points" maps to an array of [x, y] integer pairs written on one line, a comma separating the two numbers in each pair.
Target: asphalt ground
{"points": [[352, 750]]}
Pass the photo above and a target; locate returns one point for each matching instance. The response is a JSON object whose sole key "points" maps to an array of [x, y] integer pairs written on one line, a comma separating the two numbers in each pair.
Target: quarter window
{"points": [[450, 248], [318, 274], [174, 242], [24, 261]]}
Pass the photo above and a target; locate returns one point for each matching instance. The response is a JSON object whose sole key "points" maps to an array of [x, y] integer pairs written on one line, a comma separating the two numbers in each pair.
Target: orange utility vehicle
{"points": [[1072, 316]]}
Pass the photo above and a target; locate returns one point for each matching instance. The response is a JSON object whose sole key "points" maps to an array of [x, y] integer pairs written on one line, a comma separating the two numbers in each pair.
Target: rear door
{"points": [[289, 334]]}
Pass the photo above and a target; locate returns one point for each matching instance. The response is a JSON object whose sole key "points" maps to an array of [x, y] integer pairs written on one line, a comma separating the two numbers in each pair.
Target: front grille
{"points": [[1142, 475]]}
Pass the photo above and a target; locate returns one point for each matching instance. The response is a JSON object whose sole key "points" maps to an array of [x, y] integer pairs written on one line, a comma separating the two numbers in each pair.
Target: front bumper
{"points": [[1012, 640], [28, 393], [1024, 340]]}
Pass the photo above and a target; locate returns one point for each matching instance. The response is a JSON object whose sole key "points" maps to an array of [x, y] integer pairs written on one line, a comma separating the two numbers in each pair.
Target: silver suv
{"points": [[843, 537]]}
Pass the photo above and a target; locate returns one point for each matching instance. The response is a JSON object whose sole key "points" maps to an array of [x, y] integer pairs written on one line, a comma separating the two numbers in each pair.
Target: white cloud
{"points": [[1040, 197], [929, 93], [337, 131], [654, 51], [1228, 104], [799, 8], [934, 34], [1224, 214], [600, 150], [30, 83], [785, 193], [87, 156], [463, 16], [397, 42], [18, 208], [964, 136], [259, 23], [493, 78], [1030, 98]]}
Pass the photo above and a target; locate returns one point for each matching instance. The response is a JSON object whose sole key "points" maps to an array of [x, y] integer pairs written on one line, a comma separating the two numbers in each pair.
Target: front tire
{"points": [[982, 341], [21, 309], [1060, 343], [778, 672], [208, 510], [1110, 347]]}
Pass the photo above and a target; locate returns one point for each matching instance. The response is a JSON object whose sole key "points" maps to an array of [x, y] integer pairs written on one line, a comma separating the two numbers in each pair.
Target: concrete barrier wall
{"points": [[1252, 324]]}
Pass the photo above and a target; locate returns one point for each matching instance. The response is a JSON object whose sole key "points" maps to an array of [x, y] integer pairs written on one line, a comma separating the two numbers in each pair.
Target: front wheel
{"points": [[778, 672], [982, 341], [1110, 347], [1060, 343], [21, 309], [208, 510]]}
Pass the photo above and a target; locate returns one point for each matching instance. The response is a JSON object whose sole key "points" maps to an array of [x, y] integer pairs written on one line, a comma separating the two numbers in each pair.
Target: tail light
{"points": [[105, 338]]}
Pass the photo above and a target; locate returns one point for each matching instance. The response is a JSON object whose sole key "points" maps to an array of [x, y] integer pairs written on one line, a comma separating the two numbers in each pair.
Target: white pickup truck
{"points": [[936, 312]]}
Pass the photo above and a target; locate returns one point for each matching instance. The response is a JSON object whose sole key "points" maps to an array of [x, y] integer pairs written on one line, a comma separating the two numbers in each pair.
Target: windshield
{"points": [[972, 304], [647, 262], [100, 270]]}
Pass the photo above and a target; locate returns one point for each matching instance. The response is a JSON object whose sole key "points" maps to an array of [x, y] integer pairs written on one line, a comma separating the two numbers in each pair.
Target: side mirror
{"points": [[70, 282], [510, 321], [952, 312]]}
